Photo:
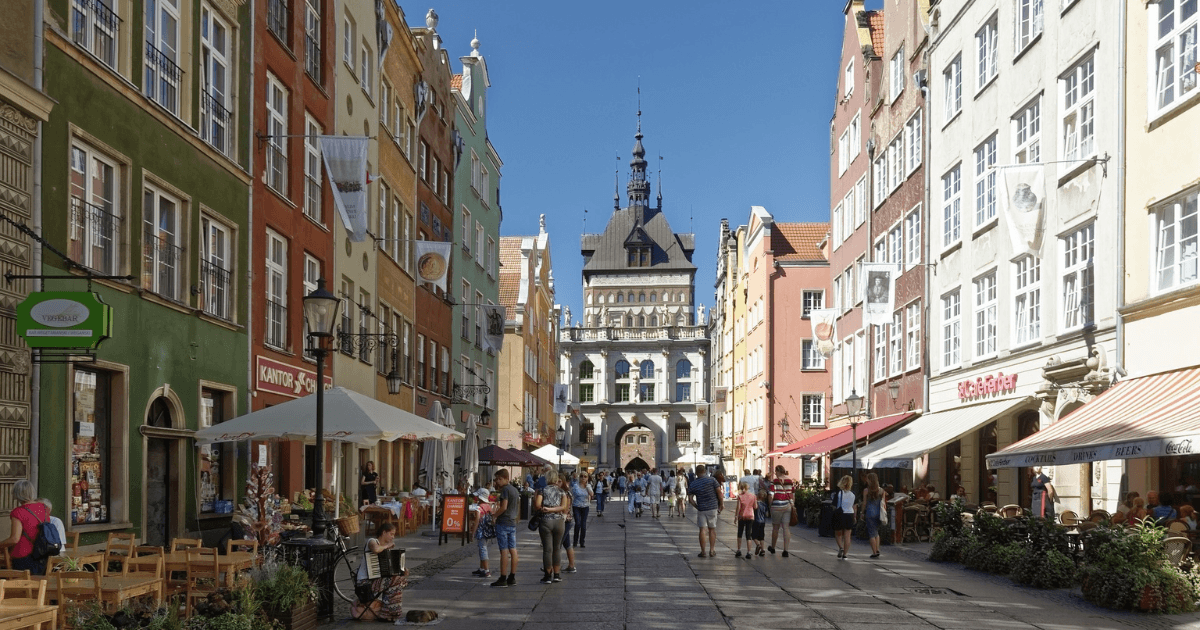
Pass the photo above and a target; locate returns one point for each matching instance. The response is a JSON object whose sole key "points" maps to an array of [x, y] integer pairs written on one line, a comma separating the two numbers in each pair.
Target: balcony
{"points": [[162, 79], [276, 331], [94, 26], [95, 240], [610, 333], [160, 265], [214, 287], [277, 19], [214, 121], [312, 58]]}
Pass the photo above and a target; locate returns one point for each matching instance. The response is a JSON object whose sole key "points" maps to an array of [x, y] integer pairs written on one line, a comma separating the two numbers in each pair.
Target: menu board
{"points": [[89, 449]]}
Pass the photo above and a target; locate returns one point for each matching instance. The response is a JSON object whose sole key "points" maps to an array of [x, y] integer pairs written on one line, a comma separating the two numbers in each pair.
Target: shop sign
{"points": [[739, 438], [285, 380], [987, 385], [64, 319], [739, 452], [454, 511]]}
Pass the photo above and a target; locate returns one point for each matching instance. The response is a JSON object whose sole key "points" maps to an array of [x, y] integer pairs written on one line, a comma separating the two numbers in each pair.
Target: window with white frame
{"points": [[951, 330], [896, 342], [96, 234], [1175, 239], [162, 246], [348, 39], [812, 409], [879, 175], [1027, 300], [491, 257], [364, 67], [364, 325], [275, 334], [1079, 110], [406, 241], [855, 136], [1174, 31], [837, 293], [96, 27], [479, 303], [1078, 279], [836, 228], [985, 316], [277, 128], [161, 58], [423, 161], [951, 206], [913, 147], [466, 230], [848, 208], [986, 61], [880, 254], [895, 240], [312, 169], [391, 226], [895, 158], [811, 358], [952, 89], [312, 39], [860, 201], [385, 101], [479, 243], [466, 312], [912, 237], [912, 334], [312, 275], [843, 152], [848, 79], [215, 115], [985, 182], [1027, 129], [1029, 22], [813, 300], [880, 365], [896, 68], [216, 268]]}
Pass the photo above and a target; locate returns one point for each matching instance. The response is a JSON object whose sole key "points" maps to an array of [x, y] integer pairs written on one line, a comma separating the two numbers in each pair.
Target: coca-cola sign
{"points": [[987, 386]]}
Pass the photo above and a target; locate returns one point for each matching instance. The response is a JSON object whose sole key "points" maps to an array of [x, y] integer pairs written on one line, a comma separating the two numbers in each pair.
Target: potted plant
{"points": [[285, 594]]}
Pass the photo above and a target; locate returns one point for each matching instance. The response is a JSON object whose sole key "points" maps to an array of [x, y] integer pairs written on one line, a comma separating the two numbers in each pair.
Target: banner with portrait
{"points": [[493, 327], [824, 327], [433, 262], [1023, 202], [560, 398], [346, 165], [879, 292]]}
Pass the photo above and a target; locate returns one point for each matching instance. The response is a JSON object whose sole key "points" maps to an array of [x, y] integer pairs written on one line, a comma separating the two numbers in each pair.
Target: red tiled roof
{"points": [[510, 288], [456, 82], [798, 241], [510, 269], [876, 25]]}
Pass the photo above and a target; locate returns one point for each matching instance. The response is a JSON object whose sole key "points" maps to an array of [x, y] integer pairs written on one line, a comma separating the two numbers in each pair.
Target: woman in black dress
{"points": [[368, 484], [1043, 494]]}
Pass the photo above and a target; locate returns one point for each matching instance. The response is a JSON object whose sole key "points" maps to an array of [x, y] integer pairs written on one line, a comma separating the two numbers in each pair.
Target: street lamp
{"points": [[561, 435], [321, 312], [854, 404]]}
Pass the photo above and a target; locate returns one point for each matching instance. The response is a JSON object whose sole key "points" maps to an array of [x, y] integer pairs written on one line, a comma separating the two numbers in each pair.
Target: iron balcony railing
{"points": [[95, 237], [160, 265], [214, 284], [162, 79], [95, 26], [214, 123], [276, 331], [312, 57], [277, 19]]}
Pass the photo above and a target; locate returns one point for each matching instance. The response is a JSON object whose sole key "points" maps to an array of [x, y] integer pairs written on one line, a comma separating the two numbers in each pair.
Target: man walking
{"points": [[750, 480], [506, 511], [704, 493], [655, 488]]}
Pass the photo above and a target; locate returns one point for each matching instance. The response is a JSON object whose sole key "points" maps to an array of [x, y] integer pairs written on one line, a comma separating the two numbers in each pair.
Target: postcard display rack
{"points": [[88, 476]]}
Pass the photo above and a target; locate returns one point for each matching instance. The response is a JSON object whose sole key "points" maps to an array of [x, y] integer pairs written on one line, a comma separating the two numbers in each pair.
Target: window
{"points": [[365, 79], [466, 231], [385, 104], [881, 250], [479, 243], [621, 369], [348, 39], [435, 171], [860, 201], [1029, 22], [895, 161], [1079, 110], [347, 324], [276, 277], [813, 300], [277, 111], [1077, 280], [161, 250], [951, 341], [985, 182], [646, 392], [848, 209], [683, 392], [213, 486], [879, 176], [843, 152], [479, 319], [895, 241], [96, 27], [848, 79], [1174, 30], [587, 392], [421, 360], [912, 237], [214, 75], [912, 334], [466, 316], [683, 369], [985, 54], [683, 431], [312, 273], [913, 147], [1027, 300], [880, 365], [406, 240], [855, 136], [952, 85], [811, 359], [985, 316], [312, 40], [812, 409], [896, 68], [216, 269], [587, 370], [161, 56], [95, 233], [96, 444], [837, 293], [1175, 235], [896, 341], [951, 201], [837, 226], [623, 392], [423, 164], [1028, 127], [279, 19], [490, 262], [312, 169], [646, 369]]}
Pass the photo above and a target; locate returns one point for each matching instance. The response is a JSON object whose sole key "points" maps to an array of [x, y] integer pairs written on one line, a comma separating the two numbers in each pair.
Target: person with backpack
{"points": [[34, 538]]}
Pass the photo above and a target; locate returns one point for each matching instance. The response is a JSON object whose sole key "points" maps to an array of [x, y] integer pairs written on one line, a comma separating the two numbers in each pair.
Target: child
{"points": [[746, 505], [481, 536], [762, 513]]}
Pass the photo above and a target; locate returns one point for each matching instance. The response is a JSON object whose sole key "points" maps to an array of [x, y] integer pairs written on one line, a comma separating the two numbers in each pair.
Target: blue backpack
{"points": [[47, 542]]}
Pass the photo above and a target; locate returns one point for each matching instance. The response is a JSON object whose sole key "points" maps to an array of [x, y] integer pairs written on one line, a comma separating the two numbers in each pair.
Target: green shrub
{"points": [[949, 548], [1128, 569], [989, 558], [227, 621], [1051, 569], [277, 589]]}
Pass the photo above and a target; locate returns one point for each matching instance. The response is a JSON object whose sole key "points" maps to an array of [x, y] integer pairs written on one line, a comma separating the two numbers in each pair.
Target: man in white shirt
{"points": [[654, 486], [750, 480], [58, 524]]}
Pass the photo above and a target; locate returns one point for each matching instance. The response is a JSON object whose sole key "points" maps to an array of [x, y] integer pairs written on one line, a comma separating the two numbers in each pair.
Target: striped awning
{"points": [[1151, 416], [840, 437]]}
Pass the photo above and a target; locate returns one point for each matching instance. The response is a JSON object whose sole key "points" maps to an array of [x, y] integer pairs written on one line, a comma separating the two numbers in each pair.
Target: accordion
{"points": [[387, 563]]}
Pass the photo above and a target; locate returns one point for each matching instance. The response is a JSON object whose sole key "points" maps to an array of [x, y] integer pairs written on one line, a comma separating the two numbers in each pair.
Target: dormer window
{"points": [[639, 256]]}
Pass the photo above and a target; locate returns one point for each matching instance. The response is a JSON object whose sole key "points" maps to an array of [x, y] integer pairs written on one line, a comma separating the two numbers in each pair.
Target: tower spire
{"points": [[617, 183], [638, 188], [660, 183]]}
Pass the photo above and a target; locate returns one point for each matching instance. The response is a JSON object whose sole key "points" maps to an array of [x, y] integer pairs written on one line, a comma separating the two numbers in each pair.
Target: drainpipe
{"points": [[250, 241], [1121, 114], [35, 377], [927, 308]]}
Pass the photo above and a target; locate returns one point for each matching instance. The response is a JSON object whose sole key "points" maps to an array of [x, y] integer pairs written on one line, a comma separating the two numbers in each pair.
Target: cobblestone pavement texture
{"points": [[646, 574]]}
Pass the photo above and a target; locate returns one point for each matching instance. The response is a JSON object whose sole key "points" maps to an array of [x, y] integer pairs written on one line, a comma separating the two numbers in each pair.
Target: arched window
{"points": [[653, 297], [630, 296], [681, 297], [586, 369], [654, 320], [683, 369], [641, 297], [600, 299], [629, 321], [620, 297], [622, 369], [641, 320], [647, 369], [589, 298]]}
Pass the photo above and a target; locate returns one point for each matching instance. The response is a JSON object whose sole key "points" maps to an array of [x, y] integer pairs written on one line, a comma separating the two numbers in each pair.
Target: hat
{"points": [[483, 495]]}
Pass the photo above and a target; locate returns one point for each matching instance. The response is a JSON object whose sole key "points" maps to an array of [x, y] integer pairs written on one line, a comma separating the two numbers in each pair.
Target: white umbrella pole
{"points": [[337, 503]]}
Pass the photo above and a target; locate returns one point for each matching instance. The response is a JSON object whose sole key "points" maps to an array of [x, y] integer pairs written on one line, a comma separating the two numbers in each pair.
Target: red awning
{"points": [[839, 437]]}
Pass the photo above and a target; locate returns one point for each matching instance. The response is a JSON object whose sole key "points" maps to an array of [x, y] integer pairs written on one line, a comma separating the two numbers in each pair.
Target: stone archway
{"points": [[636, 441], [165, 470], [636, 464]]}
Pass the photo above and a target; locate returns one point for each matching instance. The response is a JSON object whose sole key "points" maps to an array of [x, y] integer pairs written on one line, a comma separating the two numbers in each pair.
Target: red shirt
{"points": [[781, 490], [30, 516], [746, 504]]}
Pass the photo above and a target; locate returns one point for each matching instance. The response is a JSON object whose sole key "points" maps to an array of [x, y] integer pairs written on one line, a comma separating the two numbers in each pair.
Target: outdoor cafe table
{"points": [[228, 564], [115, 590], [15, 616], [84, 557]]}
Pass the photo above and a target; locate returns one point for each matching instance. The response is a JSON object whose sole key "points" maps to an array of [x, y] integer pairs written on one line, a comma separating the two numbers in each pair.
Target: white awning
{"points": [[555, 455], [899, 448]]}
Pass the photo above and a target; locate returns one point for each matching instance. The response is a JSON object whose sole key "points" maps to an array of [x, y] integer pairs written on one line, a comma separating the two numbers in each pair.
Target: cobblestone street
{"points": [[647, 575]]}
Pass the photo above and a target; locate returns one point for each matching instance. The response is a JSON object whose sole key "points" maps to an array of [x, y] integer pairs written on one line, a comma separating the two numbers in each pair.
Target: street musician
{"points": [[381, 598]]}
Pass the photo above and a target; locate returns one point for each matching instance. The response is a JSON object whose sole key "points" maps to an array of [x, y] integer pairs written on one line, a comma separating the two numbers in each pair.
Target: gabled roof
{"points": [[510, 269], [606, 251], [876, 25], [456, 81], [798, 241]]}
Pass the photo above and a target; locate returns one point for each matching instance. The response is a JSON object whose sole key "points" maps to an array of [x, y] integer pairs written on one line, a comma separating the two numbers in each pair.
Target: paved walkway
{"points": [[646, 575]]}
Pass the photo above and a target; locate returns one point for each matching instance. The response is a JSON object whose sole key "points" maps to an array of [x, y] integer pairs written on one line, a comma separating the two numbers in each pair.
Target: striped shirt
{"points": [[781, 490]]}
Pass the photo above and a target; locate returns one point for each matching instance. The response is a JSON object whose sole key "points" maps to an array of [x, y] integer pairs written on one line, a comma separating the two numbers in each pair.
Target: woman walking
{"points": [[873, 506], [568, 548], [843, 515], [781, 509], [552, 503], [745, 518], [601, 492], [581, 498], [681, 484]]}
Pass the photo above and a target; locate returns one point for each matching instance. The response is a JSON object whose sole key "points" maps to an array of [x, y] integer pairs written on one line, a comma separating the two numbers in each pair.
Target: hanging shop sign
{"points": [[987, 385], [64, 319], [285, 380]]}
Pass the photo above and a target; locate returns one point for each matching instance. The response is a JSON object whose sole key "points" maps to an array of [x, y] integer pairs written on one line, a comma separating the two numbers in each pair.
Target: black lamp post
{"points": [[321, 312], [854, 404], [560, 434]]}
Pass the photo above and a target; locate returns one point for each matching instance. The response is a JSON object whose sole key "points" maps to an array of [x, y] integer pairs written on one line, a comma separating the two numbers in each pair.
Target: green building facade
{"points": [[145, 172]]}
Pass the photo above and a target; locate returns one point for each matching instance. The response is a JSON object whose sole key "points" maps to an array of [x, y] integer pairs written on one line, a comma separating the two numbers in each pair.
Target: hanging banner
{"points": [[1023, 203], [383, 30], [421, 95], [824, 327], [560, 398], [346, 165], [879, 282], [64, 319], [433, 262], [493, 327]]}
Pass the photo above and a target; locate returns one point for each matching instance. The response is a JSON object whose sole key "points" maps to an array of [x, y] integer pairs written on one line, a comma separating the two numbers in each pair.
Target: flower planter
{"points": [[302, 617]]}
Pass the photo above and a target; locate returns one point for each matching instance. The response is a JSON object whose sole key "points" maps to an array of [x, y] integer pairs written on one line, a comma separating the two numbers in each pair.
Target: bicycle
{"points": [[345, 563]]}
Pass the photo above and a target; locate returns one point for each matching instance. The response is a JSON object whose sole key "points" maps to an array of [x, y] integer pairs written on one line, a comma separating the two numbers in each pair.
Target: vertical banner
{"points": [[824, 327], [383, 31], [346, 165], [421, 95], [433, 262], [493, 328], [1023, 204], [560, 398], [879, 284]]}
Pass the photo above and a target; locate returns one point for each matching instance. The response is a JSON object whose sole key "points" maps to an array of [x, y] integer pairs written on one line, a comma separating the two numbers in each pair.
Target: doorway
{"points": [[161, 477]]}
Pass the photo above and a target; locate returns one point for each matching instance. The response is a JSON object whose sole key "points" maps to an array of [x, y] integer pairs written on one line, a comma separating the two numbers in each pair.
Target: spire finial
{"points": [[475, 44], [617, 184], [639, 93], [660, 158]]}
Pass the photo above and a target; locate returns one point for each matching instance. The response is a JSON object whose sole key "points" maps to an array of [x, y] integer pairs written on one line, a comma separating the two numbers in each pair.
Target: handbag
{"points": [[535, 521], [837, 507], [795, 518], [883, 510]]}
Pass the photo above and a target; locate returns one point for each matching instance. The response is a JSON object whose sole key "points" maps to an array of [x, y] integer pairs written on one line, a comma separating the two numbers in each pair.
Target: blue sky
{"points": [[736, 97]]}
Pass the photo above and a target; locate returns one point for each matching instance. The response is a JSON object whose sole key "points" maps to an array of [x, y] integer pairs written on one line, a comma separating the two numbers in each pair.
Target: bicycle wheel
{"points": [[344, 574]]}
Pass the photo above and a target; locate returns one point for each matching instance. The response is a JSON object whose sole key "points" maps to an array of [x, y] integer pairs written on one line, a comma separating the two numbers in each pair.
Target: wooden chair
{"points": [[203, 575], [147, 550], [1178, 548], [912, 517], [23, 592], [1009, 511], [77, 590], [13, 574], [1099, 516], [1177, 527], [72, 541], [241, 545], [181, 544], [118, 551], [1069, 518]]}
